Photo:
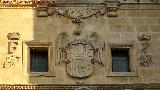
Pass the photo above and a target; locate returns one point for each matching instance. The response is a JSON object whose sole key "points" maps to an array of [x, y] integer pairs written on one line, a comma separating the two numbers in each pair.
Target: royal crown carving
{"points": [[144, 37], [13, 36]]}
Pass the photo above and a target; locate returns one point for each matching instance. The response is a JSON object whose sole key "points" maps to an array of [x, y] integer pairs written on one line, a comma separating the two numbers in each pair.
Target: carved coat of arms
{"points": [[79, 52]]}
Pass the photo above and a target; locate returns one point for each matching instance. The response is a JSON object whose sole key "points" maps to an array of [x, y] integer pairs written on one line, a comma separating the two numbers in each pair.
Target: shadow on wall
{"points": [[46, 30]]}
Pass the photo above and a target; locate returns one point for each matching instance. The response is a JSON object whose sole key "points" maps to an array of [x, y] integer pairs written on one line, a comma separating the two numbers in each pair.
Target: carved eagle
{"points": [[63, 41]]}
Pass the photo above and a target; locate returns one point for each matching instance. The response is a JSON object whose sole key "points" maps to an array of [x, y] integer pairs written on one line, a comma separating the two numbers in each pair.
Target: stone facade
{"points": [[96, 26]]}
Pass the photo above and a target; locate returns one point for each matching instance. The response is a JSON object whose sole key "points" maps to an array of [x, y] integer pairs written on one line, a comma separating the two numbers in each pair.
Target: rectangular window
{"points": [[39, 59], [120, 60]]}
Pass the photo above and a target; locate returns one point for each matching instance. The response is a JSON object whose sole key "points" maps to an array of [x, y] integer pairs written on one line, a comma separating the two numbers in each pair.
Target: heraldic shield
{"points": [[79, 52]]}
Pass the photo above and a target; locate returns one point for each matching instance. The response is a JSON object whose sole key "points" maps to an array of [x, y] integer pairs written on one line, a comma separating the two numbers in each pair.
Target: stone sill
{"points": [[41, 74], [122, 74]]}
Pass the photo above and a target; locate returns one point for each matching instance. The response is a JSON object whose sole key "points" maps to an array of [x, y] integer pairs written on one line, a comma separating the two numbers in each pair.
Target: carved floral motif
{"points": [[76, 14], [11, 60]]}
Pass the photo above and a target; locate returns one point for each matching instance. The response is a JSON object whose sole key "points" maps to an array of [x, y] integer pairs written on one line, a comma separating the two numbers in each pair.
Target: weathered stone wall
{"points": [[14, 20], [122, 29]]}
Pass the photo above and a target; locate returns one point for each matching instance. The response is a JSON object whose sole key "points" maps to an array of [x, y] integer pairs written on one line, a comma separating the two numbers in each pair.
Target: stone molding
{"points": [[27, 45], [38, 43], [136, 86], [121, 5], [78, 11], [131, 46], [139, 6]]}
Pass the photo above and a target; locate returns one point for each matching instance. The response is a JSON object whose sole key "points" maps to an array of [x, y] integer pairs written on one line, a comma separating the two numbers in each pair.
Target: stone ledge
{"points": [[122, 6], [139, 86]]}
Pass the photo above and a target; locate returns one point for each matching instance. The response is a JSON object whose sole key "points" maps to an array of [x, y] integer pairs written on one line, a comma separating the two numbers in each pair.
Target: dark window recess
{"points": [[120, 60], [39, 59]]}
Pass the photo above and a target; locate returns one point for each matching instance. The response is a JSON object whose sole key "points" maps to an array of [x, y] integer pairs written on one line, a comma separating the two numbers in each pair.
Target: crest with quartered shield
{"points": [[79, 51]]}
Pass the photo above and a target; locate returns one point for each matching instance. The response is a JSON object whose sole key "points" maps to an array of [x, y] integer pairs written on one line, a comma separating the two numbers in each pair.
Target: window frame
{"points": [[132, 59], [127, 55], [35, 52], [26, 58]]}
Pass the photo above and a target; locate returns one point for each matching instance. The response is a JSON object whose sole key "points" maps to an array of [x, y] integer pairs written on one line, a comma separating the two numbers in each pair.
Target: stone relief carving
{"points": [[145, 60], [13, 41], [42, 10], [145, 57], [13, 36], [144, 37], [112, 7], [12, 46], [79, 52], [75, 14], [145, 47], [10, 61]]}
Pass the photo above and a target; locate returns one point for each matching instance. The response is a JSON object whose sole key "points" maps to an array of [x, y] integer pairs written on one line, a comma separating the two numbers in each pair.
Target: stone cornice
{"points": [[139, 86], [139, 6], [77, 11], [150, 5], [86, 10]]}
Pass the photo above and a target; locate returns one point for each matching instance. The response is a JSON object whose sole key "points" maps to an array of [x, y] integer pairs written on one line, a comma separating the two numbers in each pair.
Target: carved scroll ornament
{"points": [[76, 13], [79, 52]]}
